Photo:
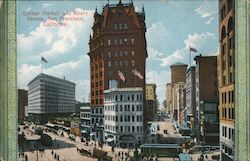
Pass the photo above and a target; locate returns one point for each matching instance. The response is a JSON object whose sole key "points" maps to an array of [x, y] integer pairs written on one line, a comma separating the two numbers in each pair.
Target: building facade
{"points": [[117, 50], [22, 102], [190, 98], [168, 97], [85, 116], [206, 91], [226, 77], [178, 74], [49, 96], [123, 116], [150, 107], [179, 101]]}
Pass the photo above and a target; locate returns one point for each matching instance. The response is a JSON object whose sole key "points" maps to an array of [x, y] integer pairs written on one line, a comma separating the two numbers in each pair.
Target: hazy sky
{"points": [[172, 26]]}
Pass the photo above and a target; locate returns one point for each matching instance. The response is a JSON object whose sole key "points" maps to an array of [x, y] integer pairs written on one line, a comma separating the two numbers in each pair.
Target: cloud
{"points": [[200, 41], [209, 21], [55, 41], [69, 69], [207, 9], [175, 57]]}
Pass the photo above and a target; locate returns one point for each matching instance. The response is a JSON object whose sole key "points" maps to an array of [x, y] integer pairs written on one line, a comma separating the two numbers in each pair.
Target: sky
{"points": [[44, 28]]}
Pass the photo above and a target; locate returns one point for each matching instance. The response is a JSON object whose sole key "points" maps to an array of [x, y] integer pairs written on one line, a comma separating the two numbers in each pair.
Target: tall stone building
{"points": [[168, 97], [151, 107], [207, 118], [190, 98], [50, 97], [117, 51], [226, 77], [178, 74], [22, 102]]}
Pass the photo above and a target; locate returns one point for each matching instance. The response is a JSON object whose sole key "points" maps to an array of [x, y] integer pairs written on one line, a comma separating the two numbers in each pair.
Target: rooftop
{"points": [[178, 64], [41, 75]]}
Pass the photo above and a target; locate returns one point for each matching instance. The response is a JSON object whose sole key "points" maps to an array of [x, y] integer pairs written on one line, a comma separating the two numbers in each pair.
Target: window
{"points": [[125, 40], [115, 26], [133, 63], [109, 64], [120, 41], [133, 53], [115, 41], [121, 53], [121, 63], [121, 118], [125, 26], [231, 43], [116, 63], [120, 26], [125, 53], [132, 41], [116, 54], [109, 42], [109, 54]]}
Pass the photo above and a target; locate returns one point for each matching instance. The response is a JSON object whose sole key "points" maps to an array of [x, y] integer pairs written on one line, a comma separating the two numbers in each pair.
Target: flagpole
{"points": [[41, 65], [189, 56]]}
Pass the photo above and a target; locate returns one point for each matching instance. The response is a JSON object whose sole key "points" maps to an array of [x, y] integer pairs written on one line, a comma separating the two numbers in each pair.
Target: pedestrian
{"points": [[52, 152], [26, 157]]}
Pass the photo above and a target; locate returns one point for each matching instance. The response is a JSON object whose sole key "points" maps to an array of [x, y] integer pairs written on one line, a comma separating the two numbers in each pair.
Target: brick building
{"points": [[207, 114], [151, 106], [226, 77], [178, 74], [117, 50]]}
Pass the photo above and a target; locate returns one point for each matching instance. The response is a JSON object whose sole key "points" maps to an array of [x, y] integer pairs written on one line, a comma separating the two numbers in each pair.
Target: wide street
{"points": [[65, 149]]}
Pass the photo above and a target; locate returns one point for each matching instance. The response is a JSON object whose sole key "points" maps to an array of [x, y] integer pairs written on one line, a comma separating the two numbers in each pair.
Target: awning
{"points": [[110, 139]]}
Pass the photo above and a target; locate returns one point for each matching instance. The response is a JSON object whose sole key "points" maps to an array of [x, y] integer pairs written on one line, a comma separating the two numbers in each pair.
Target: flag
{"points": [[122, 77], [193, 50], [44, 60], [138, 74]]}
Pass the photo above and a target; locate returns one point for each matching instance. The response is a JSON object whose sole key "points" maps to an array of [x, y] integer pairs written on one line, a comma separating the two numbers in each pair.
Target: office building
{"points": [[178, 74], [190, 98], [207, 129], [123, 116], [117, 52], [50, 97], [168, 97], [150, 107], [226, 77], [85, 129]]}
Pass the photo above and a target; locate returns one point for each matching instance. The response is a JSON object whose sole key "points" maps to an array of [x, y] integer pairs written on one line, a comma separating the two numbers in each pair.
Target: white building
{"points": [[123, 116], [85, 113], [50, 96]]}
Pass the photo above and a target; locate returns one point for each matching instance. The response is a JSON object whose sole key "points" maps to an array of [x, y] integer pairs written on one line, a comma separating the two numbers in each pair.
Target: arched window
{"points": [[223, 33], [230, 25]]}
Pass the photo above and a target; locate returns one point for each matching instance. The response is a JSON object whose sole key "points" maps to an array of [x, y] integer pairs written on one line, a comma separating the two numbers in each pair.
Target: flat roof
{"points": [[123, 89], [160, 146]]}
